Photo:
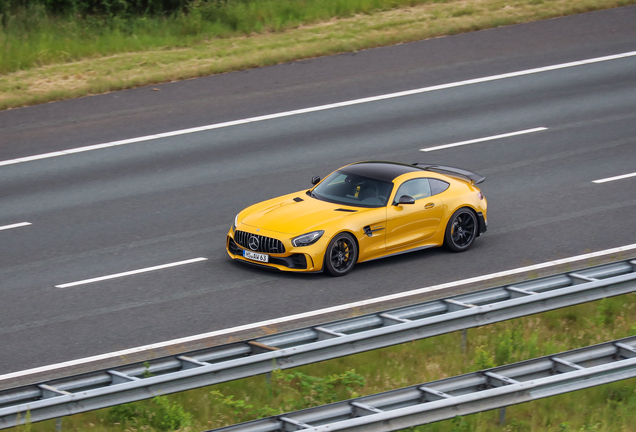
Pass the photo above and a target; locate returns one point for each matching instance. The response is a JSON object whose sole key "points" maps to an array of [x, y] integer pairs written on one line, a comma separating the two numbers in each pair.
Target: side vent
{"points": [[297, 199], [346, 210]]}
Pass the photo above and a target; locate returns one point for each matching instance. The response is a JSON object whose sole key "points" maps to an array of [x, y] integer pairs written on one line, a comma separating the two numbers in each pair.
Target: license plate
{"points": [[255, 256]]}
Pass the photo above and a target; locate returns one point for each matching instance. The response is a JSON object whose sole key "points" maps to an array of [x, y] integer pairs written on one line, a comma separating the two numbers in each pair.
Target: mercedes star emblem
{"points": [[253, 243]]}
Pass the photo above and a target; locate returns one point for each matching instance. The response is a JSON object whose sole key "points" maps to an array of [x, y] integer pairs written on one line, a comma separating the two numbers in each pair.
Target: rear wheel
{"points": [[341, 254], [461, 230]]}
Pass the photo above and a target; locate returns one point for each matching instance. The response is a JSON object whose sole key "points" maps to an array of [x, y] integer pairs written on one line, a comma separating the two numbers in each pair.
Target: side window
{"points": [[438, 186], [416, 188]]}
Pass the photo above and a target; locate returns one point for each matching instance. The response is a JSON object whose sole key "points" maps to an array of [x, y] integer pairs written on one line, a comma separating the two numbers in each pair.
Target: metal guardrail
{"points": [[67, 396], [462, 395]]}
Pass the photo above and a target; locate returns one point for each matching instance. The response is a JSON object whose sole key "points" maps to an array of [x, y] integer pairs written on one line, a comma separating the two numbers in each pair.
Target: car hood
{"points": [[289, 215]]}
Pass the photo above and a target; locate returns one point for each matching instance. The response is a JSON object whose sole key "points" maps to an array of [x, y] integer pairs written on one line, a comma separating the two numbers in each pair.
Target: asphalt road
{"points": [[171, 199]]}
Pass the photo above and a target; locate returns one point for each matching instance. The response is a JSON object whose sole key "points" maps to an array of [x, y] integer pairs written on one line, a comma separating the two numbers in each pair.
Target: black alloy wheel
{"points": [[341, 254], [461, 230]]}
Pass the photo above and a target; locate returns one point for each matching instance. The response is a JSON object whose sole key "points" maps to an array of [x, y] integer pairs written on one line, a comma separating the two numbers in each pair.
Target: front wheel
{"points": [[341, 255], [461, 230]]}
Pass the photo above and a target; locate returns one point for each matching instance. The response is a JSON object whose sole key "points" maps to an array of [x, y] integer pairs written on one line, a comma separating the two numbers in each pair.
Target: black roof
{"points": [[386, 171]]}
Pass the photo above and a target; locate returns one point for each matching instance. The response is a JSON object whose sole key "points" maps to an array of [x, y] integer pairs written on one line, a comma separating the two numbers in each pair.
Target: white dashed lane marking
{"points": [[620, 177], [17, 225], [478, 140], [129, 273]]}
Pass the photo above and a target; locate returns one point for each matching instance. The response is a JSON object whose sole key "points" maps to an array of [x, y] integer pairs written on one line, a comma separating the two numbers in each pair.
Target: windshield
{"points": [[353, 190]]}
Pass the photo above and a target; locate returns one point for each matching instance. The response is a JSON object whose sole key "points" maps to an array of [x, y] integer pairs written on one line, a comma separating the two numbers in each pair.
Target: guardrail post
{"points": [[502, 416], [268, 383], [464, 337], [58, 424]]}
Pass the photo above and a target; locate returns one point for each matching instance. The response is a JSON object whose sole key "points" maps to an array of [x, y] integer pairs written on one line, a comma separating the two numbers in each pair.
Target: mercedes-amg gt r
{"points": [[361, 212]]}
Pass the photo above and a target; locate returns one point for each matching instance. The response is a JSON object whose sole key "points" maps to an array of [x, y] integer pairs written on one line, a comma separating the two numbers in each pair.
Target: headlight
{"points": [[235, 222], [307, 239]]}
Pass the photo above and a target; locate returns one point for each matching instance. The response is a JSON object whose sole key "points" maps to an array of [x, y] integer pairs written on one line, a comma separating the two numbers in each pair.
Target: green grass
{"points": [[32, 37], [45, 58], [610, 407]]}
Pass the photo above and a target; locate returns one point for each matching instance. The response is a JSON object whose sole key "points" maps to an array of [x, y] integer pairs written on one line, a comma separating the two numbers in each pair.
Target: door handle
{"points": [[429, 205]]}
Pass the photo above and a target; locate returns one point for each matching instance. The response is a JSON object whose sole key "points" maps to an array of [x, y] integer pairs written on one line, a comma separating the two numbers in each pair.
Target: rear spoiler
{"points": [[473, 177]]}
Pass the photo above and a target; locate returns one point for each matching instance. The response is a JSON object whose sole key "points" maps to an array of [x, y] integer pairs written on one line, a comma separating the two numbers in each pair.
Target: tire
{"points": [[461, 230], [341, 254]]}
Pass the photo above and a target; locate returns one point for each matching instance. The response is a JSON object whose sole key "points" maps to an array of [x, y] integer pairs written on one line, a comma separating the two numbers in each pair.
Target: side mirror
{"points": [[406, 199], [315, 180]]}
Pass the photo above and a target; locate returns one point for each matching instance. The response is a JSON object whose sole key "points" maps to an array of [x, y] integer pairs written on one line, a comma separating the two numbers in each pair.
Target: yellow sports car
{"points": [[361, 212]]}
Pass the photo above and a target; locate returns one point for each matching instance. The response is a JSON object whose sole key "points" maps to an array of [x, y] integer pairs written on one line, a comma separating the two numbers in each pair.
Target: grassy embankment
{"points": [[45, 58], [609, 408]]}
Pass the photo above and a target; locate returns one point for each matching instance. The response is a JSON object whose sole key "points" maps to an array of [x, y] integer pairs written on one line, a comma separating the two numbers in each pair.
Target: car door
{"points": [[413, 223]]}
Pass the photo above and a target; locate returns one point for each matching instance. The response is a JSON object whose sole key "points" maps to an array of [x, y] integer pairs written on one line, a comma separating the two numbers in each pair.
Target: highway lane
{"points": [[162, 201], [192, 103]]}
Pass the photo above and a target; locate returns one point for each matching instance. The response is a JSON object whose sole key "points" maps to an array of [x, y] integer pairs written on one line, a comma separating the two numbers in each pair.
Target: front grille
{"points": [[265, 244]]}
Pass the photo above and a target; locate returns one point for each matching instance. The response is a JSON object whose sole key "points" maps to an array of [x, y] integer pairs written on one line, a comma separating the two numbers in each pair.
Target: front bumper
{"points": [[305, 259]]}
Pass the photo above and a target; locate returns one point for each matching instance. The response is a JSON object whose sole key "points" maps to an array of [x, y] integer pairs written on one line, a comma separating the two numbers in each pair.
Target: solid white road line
{"points": [[322, 107], [313, 313], [17, 225], [128, 273], [494, 137], [620, 177]]}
